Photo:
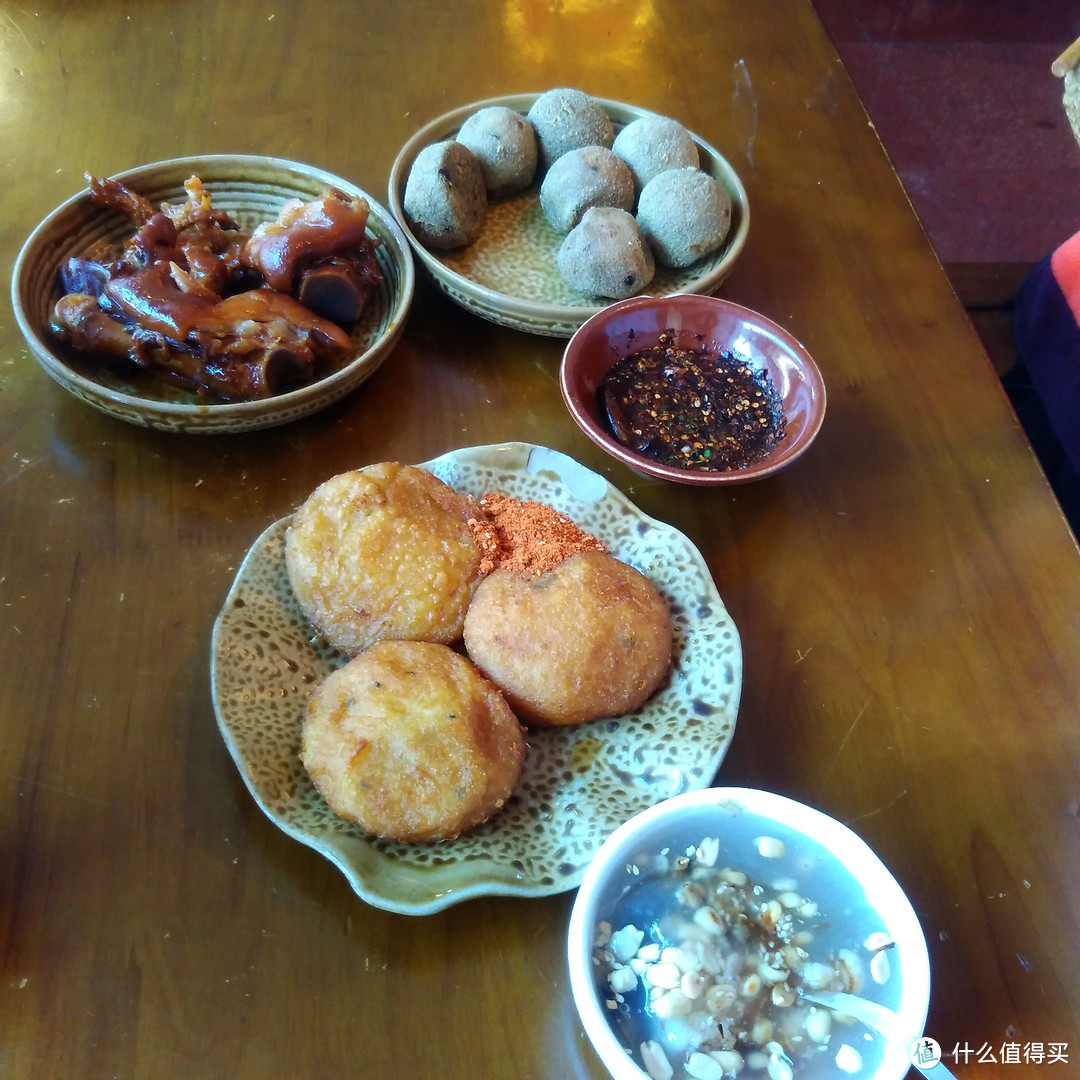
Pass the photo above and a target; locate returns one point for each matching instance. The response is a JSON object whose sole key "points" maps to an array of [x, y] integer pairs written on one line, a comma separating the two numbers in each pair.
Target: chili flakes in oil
{"points": [[693, 408]]}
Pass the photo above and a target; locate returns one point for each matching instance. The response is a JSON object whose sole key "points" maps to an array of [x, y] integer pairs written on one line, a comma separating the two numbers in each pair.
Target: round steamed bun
{"points": [[445, 198], [504, 143], [652, 144], [606, 254], [582, 178], [685, 214], [566, 119]]}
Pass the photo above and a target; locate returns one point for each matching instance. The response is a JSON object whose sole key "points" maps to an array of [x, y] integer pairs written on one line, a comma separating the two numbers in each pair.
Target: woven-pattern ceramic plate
{"points": [[578, 783], [251, 190], [509, 276]]}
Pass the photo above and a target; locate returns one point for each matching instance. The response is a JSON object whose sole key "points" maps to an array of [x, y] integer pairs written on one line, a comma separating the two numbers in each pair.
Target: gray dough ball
{"points": [[445, 199], [504, 143], [685, 214], [651, 145], [567, 119], [580, 179], [606, 255]]}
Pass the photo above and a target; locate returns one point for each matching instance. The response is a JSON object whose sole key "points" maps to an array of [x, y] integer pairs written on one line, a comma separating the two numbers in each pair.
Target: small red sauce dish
{"points": [[697, 323]]}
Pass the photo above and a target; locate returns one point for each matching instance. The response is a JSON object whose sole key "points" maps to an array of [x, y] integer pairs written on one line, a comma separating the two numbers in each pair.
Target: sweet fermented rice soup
{"points": [[703, 942]]}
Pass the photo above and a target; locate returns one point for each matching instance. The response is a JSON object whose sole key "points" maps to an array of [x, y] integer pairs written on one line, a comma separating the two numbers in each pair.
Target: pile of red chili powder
{"points": [[526, 537]]}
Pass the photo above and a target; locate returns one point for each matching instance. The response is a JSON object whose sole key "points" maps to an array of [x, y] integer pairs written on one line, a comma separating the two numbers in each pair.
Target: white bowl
{"points": [[856, 895]]}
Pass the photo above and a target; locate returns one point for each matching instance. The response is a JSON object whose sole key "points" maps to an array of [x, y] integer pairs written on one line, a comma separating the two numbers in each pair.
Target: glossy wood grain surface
{"points": [[907, 594]]}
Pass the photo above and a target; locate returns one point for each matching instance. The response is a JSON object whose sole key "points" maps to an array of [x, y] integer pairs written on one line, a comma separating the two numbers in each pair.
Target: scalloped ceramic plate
{"points": [[578, 784], [509, 277], [251, 189]]}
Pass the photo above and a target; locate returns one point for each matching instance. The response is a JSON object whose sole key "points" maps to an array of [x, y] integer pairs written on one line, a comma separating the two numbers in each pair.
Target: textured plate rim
{"points": [[436, 900], [556, 319], [244, 415]]}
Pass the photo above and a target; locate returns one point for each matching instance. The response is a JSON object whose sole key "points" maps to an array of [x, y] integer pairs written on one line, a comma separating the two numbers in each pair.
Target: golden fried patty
{"points": [[591, 638], [411, 742], [384, 552]]}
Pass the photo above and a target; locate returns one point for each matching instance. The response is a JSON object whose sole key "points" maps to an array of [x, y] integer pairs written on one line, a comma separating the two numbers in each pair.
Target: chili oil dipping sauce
{"points": [[692, 408]]}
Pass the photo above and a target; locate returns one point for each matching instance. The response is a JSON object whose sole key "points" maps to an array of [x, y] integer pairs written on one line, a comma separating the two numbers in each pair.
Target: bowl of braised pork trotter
{"points": [[214, 294], [736, 932], [693, 389]]}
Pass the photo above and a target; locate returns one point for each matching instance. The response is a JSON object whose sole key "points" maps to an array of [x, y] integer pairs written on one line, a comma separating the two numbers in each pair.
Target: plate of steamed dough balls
{"points": [[457, 678], [537, 210]]}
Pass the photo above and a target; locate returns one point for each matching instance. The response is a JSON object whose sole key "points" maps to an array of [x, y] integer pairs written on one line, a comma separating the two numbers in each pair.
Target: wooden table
{"points": [[907, 594]]}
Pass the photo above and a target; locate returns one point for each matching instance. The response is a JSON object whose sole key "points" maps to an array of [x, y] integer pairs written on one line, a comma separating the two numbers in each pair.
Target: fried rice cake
{"points": [[384, 552], [591, 638], [411, 742]]}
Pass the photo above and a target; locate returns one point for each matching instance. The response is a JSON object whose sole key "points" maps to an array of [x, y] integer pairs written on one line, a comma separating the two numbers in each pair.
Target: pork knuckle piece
{"points": [[445, 198]]}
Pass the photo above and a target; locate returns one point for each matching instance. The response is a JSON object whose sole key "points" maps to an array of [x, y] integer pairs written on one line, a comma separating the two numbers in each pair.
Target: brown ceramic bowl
{"points": [[251, 189], [636, 324]]}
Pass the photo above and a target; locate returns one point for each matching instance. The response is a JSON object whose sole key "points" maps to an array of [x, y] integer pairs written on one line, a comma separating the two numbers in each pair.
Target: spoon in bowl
{"points": [[882, 1020]]}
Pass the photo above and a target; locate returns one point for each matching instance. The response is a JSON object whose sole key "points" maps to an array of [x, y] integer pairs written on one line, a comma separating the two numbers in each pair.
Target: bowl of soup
{"points": [[708, 929]]}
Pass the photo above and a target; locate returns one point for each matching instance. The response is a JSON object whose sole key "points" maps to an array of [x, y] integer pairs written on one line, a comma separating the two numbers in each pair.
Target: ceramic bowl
{"points": [[635, 324], [251, 189], [785, 848], [509, 277]]}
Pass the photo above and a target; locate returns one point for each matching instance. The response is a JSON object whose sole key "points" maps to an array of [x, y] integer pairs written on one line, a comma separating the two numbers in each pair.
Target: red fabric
{"points": [[1065, 265], [1046, 327]]}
